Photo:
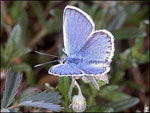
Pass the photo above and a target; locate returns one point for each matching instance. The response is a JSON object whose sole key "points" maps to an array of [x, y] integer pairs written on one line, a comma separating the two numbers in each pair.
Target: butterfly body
{"points": [[89, 52]]}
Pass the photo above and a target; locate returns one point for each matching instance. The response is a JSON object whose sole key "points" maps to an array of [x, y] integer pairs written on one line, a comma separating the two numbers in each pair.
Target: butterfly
{"points": [[88, 51]]}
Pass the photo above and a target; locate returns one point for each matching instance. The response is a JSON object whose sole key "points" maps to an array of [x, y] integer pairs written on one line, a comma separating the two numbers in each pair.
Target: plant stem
{"points": [[17, 105], [79, 89], [70, 89]]}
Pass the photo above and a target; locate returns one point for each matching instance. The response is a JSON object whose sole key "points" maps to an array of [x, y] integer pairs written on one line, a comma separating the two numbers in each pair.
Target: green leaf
{"points": [[128, 32], [27, 68], [85, 7], [138, 44], [57, 13], [57, 26], [56, 22], [42, 104], [99, 109], [48, 97], [8, 51], [123, 104], [133, 85], [138, 16], [15, 10], [15, 37], [27, 92], [64, 84], [118, 21], [11, 87], [23, 22], [14, 110], [118, 76], [21, 52], [38, 9], [101, 83], [5, 110], [3, 58], [47, 100], [2, 50], [114, 96], [108, 88], [121, 16], [21, 67]]}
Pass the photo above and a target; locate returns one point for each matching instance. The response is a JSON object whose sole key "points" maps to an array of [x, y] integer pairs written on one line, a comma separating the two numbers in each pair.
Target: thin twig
{"points": [[79, 89], [14, 106], [70, 89]]}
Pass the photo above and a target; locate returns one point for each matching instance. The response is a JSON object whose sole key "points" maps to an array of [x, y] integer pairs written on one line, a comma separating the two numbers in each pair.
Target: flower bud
{"points": [[78, 103]]}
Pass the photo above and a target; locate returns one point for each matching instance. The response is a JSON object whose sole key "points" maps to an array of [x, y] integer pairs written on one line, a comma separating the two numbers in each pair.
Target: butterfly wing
{"points": [[77, 26], [98, 50], [65, 70], [99, 47], [93, 70]]}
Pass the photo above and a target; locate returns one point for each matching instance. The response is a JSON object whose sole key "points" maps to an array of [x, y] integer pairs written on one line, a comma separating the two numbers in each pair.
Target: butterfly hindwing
{"points": [[91, 70], [99, 47], [65, 70]]}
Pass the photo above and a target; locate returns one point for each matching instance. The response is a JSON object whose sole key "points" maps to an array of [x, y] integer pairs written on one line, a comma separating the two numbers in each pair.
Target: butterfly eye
{"points": [[63, 60]]}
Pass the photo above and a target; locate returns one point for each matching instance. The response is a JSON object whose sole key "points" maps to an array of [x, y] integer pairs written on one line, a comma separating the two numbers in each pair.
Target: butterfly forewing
{"points": [[77, 26]]}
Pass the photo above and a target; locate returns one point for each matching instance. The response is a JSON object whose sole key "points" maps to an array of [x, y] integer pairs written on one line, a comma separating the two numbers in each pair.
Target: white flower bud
{"points": [[78, 103]]}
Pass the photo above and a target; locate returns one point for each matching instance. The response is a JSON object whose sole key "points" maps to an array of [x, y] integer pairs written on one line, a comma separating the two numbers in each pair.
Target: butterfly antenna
{"points": [[46, 54], [45, 63]]}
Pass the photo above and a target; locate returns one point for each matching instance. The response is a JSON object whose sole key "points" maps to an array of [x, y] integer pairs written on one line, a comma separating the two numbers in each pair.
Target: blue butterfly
{"points": [[89, 52]]}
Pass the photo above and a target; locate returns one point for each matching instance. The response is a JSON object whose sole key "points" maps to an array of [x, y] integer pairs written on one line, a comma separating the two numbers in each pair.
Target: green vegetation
{"points": [[29, 26]]}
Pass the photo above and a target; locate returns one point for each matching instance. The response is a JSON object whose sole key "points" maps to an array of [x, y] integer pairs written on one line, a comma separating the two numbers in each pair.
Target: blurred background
{"points": [[29, 26]]}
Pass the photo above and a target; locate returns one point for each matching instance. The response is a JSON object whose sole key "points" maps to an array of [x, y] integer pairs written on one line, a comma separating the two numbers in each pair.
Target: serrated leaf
{"points": [[48, 97], [26, 92], [47, 100], [27, 68], [42, 104], [5, 110], [14, 110], [64, 84], [11, 87], [123, 104]]}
